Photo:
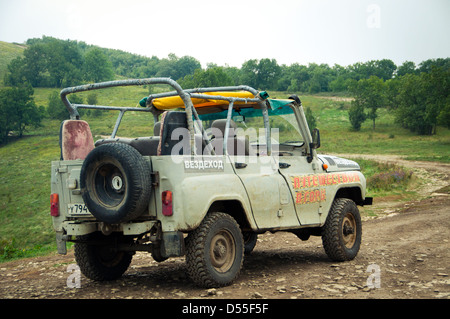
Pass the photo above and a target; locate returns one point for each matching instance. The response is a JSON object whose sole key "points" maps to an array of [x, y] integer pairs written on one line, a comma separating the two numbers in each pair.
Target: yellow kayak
{"points": [[174, 102]]}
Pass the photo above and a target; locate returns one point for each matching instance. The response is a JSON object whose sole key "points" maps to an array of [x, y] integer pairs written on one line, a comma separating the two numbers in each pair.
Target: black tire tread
{"points": [[195, 248], [86, 256], [140, 187], [331, 238]]}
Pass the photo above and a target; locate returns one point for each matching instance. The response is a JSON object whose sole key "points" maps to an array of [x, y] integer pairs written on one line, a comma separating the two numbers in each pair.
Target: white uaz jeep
{"points": [[222, 166]]}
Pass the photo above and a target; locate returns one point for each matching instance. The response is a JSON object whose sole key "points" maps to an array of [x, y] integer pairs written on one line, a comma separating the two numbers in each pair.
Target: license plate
{"points": [[77, 209]]}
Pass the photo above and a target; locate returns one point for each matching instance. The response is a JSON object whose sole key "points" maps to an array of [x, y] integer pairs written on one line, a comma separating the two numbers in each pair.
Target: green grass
{"points": [[26, 225], [387, 138], [24, 195]]}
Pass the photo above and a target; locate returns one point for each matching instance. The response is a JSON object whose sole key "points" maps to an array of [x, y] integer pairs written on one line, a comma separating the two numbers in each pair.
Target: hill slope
{"points": [[8, 52]]}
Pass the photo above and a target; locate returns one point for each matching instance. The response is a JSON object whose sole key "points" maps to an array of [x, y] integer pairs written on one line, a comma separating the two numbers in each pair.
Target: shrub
{"points": [[394, 177]]}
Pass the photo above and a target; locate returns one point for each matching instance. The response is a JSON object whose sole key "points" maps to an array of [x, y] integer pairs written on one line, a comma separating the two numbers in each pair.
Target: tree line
{"points": [[418, 95], [50, 62], [419, 98]]}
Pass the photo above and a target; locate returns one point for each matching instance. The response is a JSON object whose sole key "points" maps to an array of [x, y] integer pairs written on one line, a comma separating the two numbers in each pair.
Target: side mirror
{"points": [[315, 139]]}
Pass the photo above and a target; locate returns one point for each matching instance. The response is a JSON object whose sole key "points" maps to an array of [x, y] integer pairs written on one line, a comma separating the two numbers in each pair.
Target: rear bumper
{"points": [[72, 229]]}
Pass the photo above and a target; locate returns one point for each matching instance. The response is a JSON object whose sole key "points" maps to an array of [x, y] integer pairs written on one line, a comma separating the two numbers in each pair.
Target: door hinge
{"points": [[155, 178]]}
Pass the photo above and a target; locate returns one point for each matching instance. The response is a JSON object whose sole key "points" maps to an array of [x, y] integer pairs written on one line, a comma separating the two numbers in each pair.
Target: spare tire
{"points": [[115, 183]]}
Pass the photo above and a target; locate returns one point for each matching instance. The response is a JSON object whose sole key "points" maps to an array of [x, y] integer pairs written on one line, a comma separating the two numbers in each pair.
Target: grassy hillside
{"points": [[25, 164], [8, 52]]}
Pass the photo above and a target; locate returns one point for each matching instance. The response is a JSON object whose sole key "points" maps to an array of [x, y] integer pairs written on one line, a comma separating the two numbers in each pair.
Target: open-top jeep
{"points": [[222, 166]]}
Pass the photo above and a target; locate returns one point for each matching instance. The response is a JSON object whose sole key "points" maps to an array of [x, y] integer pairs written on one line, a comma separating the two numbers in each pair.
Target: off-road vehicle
{"points": [[220, 166]]}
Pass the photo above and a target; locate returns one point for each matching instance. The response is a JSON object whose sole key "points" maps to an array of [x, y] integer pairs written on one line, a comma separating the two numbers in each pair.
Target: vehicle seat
{"points": [[170, 121], [75, 140], [235, 145], [157, 129]]}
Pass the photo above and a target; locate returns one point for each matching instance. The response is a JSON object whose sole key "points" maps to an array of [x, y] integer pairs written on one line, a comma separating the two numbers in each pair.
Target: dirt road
{"points": [[405, 253]]}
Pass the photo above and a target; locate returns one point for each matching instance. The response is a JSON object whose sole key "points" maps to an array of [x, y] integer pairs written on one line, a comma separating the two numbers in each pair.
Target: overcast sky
{"points": [[233, 31]]}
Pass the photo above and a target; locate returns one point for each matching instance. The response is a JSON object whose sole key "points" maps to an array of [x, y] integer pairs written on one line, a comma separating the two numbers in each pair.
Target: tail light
{"points": [[54, 205], [166, 198]]}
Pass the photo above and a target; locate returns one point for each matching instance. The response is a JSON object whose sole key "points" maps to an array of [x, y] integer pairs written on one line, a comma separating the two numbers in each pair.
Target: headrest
{"points": [[221, 124], [157, 129]]}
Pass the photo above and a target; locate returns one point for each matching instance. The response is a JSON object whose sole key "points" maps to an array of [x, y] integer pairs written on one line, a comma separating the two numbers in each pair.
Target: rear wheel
{"points": [[215, 251], [98, 257], [342, 232]]}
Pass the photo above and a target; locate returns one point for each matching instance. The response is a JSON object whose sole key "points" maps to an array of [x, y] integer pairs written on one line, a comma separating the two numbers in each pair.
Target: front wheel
{"points": [[342, 232], [215, 251]]}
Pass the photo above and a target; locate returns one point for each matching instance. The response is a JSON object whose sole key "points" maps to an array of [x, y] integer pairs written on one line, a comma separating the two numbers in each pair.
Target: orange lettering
{"points": [[315, 181], [311, 196], [329, 179], [317, 195], [322, 179], [298, 199], [344, 178], [296, 182], [323, 195]]}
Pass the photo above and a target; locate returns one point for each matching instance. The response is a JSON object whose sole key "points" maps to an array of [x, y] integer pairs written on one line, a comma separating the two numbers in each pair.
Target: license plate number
{"points": [[78, 209]]}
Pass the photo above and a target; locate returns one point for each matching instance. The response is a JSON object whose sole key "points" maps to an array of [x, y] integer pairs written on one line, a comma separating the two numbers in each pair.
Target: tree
{"points": [[64, 63], [97, 67], [210, 77], [410, 112], [16, 72], [369, 94], [35, 64], [48, 63], [408, 67], [261, 74], [177, 68], [423, 100], [249, 70], [391, 91], [17, 111], [56, 109], [444, 115], [186, 65], [356, 115], [384, 69], [268, 72]]}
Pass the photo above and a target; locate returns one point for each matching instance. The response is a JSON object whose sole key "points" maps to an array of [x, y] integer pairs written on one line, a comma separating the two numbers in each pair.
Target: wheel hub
{"points": [[117, 183], [348, 230], [222, 251]]}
